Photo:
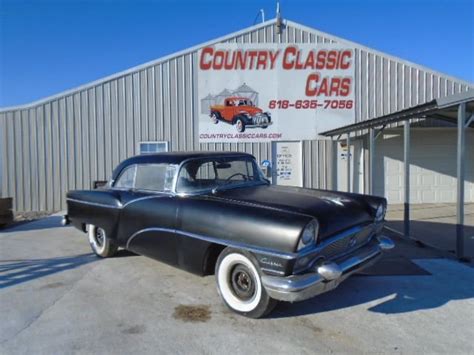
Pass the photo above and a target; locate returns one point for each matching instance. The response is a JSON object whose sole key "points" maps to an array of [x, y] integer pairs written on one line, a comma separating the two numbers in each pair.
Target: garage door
{"points": [[432, 169]]}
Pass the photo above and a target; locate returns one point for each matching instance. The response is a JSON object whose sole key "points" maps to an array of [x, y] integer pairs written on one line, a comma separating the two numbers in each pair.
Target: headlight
{"points": [[380, 213], [309, 235]]}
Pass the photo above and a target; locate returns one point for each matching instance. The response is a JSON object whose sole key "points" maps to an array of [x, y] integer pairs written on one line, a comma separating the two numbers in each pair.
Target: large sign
{"points": [[268, 92]]}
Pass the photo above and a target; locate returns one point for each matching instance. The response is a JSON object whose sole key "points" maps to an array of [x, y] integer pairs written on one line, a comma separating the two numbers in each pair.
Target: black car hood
{"points": [[334, 211]]}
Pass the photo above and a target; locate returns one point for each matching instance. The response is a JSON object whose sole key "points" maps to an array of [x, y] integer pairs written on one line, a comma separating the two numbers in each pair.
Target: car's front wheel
{"points": [[240, 286], [100, 243], [240, 125]]}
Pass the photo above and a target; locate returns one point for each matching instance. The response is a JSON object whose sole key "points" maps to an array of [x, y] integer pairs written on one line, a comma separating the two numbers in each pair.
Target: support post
{"points": [[406, 173], [348, 162], [460, 182], [335, 171], [371, 160]]}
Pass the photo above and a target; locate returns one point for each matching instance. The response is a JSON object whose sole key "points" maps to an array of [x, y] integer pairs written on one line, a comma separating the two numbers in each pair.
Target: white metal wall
{"points": [[68, 141], [2, 138]]}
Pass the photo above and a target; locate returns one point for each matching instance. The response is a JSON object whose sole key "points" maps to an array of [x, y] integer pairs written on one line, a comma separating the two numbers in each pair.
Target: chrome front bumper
{"points": [[327, 276], [256, 125]]}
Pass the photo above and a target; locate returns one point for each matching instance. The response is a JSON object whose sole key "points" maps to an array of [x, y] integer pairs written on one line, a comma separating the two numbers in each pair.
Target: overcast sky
{"points": [[47, 46]]}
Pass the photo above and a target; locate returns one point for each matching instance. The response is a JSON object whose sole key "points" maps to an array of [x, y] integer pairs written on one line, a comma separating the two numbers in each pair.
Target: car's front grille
{"points": [[260, 119], [348, 243]]}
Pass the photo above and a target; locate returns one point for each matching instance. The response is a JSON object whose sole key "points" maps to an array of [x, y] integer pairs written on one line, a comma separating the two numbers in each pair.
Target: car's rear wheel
{"points": [[240, 125], [100, 243], [240, 286]]}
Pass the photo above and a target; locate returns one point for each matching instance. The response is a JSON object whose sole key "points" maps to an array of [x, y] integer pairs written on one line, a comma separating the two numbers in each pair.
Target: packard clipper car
{"points": [[210, 212]]}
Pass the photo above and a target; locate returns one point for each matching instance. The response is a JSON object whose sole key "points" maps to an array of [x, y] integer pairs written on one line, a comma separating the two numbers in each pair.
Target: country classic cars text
{"points": [[289, 58]]}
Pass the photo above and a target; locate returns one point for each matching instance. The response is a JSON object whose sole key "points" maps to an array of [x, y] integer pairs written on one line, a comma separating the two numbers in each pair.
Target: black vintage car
{"points": [[210, 212]]}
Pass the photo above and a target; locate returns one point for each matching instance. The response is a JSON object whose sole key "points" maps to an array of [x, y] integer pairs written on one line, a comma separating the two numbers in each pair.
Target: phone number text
{"points": [[311, 104]]}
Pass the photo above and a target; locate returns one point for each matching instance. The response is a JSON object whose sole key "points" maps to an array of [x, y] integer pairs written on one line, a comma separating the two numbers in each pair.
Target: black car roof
{"points": [[173, 158]]}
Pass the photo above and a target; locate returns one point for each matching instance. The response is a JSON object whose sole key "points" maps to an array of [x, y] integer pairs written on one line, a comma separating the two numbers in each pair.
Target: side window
{"points": [[126, 179], [155, 177], [235, 169]]}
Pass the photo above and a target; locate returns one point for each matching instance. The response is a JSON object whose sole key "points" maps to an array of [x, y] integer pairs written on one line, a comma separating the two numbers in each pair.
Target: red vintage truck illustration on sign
{"points": [[241, 112]]}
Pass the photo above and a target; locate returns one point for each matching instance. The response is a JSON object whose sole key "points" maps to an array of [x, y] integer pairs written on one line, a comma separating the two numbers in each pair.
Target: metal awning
{"points": [[443, 108], [457, 109]]}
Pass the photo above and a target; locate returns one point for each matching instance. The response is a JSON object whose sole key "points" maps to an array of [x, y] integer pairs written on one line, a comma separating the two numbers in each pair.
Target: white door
{"points": [[432, 166], [357, 166]]}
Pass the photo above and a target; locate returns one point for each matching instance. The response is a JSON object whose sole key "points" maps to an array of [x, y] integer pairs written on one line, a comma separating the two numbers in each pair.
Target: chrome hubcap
{"points": [[243, 285], [99, 237]]}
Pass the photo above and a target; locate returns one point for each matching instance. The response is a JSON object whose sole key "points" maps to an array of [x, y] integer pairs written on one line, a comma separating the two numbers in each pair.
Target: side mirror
{"points": [[267, 171]]}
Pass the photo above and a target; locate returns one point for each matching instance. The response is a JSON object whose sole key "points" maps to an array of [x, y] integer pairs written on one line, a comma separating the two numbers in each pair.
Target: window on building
{"points": [[153, 147]]}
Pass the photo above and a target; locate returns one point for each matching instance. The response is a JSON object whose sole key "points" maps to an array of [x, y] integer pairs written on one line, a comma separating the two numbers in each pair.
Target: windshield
{"points": [[245, 103], [199, 175]]}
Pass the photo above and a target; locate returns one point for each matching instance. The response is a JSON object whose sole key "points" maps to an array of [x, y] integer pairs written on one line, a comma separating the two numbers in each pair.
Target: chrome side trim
{"points": [[161, 195], [121, 206], [244, 246], [282, 273], [97, 204]]}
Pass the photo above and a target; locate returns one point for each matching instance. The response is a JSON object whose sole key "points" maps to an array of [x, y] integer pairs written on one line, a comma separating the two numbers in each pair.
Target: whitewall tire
{"points": [[99, 242], [239, 284], [240, 125]]}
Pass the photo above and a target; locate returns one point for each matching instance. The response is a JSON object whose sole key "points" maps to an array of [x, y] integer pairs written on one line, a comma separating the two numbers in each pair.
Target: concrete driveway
{"points": [[56, 297]]}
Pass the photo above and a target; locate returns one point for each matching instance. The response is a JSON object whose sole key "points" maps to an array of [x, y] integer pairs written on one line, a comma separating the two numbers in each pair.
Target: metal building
{"points": [[69, 140]]}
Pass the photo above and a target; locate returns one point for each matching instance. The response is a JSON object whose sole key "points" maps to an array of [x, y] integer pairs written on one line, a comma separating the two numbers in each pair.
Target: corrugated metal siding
{"points": [[2, 153], [74, 139]]}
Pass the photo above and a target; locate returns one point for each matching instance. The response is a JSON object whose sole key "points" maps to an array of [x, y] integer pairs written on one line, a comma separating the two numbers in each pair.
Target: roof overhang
{"points": [[444, 108]]}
